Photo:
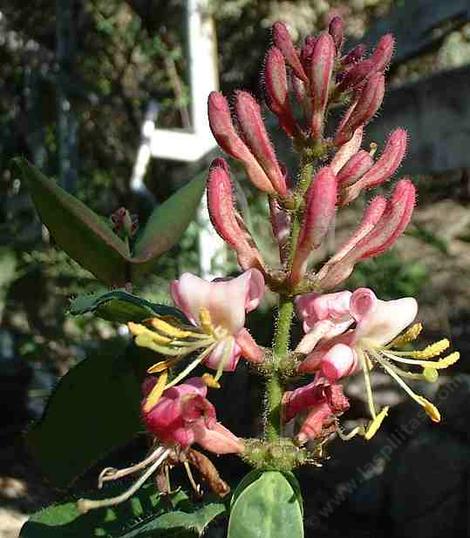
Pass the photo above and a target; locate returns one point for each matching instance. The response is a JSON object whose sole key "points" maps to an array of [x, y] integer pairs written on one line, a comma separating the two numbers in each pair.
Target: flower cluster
{"points": [[346, 332]]}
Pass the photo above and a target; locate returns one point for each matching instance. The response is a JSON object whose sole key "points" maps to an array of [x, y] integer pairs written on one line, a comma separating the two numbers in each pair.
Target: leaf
{"points": [[79, 231], [121, 306], [166, 225], [147, 513], [266, 504], [95, 407]]}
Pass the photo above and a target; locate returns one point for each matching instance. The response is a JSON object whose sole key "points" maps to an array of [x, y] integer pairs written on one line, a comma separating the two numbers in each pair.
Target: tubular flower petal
{"points": [[321, 70], [283, 42], [336, 30], [256, 137], [319, 212], [225, 218], [222, 128], [183, 416], [275, 83]]}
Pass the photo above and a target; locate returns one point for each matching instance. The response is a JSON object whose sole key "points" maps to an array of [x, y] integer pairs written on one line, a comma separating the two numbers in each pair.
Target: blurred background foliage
{"points": [[119, 55]]}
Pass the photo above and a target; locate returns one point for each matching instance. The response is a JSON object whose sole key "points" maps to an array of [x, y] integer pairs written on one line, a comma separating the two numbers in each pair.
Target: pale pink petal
{"points": [[249, 348], [338, 362], [227, 350], [226, 300], [381, 321], [218, 439], [314, 307]]}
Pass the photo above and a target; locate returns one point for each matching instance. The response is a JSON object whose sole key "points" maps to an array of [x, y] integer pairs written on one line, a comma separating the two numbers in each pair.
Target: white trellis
{"points": [[188, 145]]}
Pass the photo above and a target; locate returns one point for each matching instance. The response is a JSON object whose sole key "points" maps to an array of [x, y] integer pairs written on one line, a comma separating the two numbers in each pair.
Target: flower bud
{"points": [[306, 52], [383, 169], [280, 223], [275, 83], [347, 150], [360, 113], [319, 211], [354, 55], [255, 135], [383, 53], [356, 75], [224, 132], [283, 42], [336, 30], [355, 168], [320, 76], [226, 219]]}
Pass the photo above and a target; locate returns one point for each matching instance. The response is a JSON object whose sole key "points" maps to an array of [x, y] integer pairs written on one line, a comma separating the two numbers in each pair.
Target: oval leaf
{"points": [[79, 231], [121, 306], [166, 225], [268, 505], [95, 407]]}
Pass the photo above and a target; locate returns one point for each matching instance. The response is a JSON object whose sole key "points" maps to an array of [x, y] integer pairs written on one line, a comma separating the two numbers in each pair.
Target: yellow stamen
{"points": [[376, 423], [210, 381], [140, 330], [162, 365], [433, 350], [430, 374], [408, 336], [206, 321], [171, 330], [445, 362], [156, 392], [431, 410]]}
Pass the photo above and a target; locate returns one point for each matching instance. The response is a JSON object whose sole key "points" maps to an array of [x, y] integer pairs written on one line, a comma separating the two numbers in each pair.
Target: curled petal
{"points": [[381, 321], [298, 400], [256, 137], [283, 42], [339, 361], [249, 349], [218, 439], [225, 218], [226, 301], [226, 351], [222, 128]]}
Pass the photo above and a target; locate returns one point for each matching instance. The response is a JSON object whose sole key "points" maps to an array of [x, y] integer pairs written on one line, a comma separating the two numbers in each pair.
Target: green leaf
{"points": [[121, 306], [147, 513], [79, 231], [95, 407], [166, 225], [266, 504]]}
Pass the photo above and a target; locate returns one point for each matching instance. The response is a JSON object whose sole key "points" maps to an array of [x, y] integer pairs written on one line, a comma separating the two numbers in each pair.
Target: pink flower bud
{"points": [[336, 30], [383, 169], [319, 211], [280, 222], [383, 52], [367, 104], [255, 135], [307, 51], [354, 55], [275, 82], [392, 224], [323, 59], [224, 132], [356, 75], [283, 42], [355, 168], [226, 219], [347, 150]]}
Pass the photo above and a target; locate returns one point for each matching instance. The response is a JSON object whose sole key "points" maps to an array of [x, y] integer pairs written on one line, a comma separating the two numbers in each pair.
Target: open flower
{"points": [[376, 340], [182, 416], [216, 312]]}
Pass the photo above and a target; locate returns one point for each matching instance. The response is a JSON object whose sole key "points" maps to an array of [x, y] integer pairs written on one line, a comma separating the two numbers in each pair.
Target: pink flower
{"points": [[183, 416], [219, 309]]}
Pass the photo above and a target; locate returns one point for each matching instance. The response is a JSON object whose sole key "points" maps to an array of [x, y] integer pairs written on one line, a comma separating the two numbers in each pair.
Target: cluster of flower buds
{"points": [[124, 224]]}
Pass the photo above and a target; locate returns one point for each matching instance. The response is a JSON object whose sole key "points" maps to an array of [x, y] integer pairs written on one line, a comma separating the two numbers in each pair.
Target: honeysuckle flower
{"points": [[323, 316], [376, 340], [216, 312], [182, 415], [320, 401]]}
